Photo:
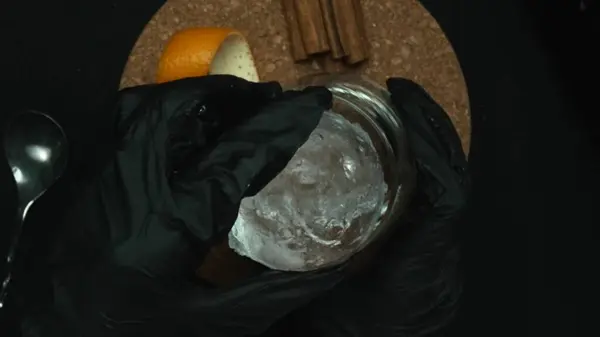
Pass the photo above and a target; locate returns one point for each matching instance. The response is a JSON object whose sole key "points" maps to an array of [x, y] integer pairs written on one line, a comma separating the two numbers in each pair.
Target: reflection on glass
{"points": [[38, 152], [19, 176]]}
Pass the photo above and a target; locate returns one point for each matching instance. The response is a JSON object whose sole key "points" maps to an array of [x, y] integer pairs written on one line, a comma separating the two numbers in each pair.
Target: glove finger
{"points": [[244, 159], [224, 101], [227, 102], [218, 99], [178, 120], [434, 142], [426, 118], [201, 103]]}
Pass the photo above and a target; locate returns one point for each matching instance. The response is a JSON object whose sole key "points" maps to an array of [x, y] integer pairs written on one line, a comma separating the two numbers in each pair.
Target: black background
{"points": [[531, 71]]}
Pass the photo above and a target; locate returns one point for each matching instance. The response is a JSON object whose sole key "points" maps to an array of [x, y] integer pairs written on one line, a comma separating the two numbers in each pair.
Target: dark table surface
{"points": [[529, 237]]}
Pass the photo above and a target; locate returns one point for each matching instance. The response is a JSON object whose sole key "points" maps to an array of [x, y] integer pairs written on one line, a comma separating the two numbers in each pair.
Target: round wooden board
{"points": [[405, 41]]}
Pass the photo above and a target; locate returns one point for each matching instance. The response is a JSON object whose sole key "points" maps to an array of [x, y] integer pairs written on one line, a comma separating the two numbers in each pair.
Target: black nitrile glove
{"points": [[414, 285], [187, 153]]}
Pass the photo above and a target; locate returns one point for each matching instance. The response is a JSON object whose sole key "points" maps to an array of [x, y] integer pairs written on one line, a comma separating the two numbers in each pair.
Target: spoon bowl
{"points": [[36, 150]]}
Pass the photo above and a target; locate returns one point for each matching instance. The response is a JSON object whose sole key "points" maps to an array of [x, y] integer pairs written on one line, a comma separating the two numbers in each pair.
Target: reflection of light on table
{"points": [[19, 176], [38, 153]]}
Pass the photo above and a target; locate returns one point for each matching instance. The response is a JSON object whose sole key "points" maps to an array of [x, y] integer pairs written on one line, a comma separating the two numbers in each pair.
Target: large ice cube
{"points": [[321, 208]]}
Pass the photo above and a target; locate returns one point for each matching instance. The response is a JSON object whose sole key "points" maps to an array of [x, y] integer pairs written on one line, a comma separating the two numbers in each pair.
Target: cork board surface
{"points": [[405, 41]]}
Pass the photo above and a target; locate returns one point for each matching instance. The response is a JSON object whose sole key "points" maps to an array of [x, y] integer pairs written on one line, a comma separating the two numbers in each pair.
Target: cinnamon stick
{"points": [[312, 27], [296, 44], [337, 52], [360, 23], [346, 19]]}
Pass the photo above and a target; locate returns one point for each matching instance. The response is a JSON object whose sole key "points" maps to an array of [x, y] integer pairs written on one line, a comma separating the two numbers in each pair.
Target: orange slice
{"points": [[206, 51]]}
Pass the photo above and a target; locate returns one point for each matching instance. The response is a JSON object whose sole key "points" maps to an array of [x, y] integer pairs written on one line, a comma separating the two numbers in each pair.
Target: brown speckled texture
{"points": [[405, 40]]}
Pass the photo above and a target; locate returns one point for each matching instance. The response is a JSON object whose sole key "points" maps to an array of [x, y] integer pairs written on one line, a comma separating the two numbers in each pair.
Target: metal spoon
{"points": [[36, 149]]}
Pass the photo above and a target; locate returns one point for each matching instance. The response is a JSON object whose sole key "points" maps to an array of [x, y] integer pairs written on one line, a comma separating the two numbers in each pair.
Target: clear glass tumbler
{"points": [[366, 104]]}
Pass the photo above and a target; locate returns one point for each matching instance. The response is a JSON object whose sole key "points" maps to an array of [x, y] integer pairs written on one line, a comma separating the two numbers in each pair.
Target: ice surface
{"points": [[321, 207]]}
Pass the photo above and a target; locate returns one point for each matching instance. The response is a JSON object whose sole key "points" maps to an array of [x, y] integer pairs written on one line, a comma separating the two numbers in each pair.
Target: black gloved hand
{"points": [[414, 284], [188, 152]]}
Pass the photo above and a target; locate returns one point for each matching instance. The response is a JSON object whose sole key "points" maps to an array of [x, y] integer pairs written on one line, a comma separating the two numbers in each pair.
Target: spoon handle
{"points": [[10, 257]]}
